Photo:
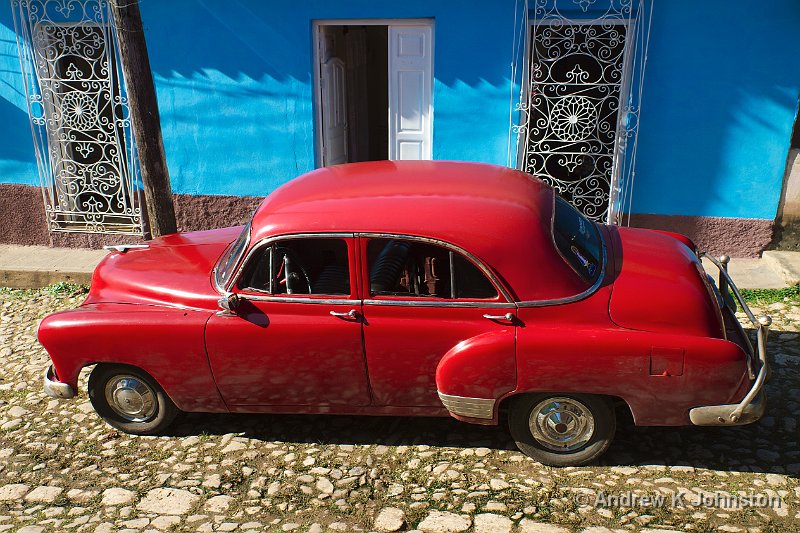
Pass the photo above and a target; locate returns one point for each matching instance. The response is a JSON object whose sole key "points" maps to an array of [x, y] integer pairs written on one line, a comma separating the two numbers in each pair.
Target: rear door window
{"points": [[399, 267]]}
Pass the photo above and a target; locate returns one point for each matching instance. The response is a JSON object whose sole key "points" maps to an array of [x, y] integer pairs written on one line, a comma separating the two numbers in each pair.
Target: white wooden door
{"points": [[410, 92], [334, 112]]}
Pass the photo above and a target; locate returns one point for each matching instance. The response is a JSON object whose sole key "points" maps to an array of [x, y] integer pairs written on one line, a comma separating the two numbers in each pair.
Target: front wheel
{"points": [[562, 429], [130, 400]]}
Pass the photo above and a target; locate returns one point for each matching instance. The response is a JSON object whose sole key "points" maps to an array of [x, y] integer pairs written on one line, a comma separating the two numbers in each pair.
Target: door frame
{"points": [[316, 25], [624, 90]]}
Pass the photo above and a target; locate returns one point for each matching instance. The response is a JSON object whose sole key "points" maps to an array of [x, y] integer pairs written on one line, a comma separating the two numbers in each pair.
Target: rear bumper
{"points": [[751, 407], [54, 388], [719, 415]]}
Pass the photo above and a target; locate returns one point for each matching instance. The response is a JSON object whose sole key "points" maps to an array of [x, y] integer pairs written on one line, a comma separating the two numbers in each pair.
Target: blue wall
{"points": [[17, 161], [720, 96], [234, 87], [234, 83]]}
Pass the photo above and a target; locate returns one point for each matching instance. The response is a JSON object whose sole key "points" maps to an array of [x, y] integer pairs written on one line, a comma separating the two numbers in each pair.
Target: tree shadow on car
{"points": [[770, 445]]}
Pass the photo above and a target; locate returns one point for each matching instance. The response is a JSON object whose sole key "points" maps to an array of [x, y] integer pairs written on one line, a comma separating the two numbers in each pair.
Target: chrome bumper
{"points": [[56, 389], [752, 406], [469, 407], [720, 415]]}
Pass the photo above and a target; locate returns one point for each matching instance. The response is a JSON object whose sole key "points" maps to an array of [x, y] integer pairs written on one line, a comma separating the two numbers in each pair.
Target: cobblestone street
{"points": [[62, 468]]}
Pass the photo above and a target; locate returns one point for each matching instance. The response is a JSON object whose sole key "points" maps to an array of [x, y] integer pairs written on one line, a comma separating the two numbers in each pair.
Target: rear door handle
{"points": [[350, 314], [507, 316]]}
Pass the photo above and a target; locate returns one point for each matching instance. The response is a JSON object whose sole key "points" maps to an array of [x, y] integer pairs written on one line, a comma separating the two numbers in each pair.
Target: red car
{"points": [[415, 288]]}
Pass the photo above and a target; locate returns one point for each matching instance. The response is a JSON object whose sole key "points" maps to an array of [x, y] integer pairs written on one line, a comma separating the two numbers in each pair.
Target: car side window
{"points": [[400, 267], [299, 266]]}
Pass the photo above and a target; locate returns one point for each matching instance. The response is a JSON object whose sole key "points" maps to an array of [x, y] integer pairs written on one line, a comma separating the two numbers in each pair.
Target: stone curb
{"points": [[785, 264], [36, 279]]}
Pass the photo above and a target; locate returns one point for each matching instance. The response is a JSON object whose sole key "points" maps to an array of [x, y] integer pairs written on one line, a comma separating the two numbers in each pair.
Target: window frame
{"points": [[261, 295], [503, 298]]}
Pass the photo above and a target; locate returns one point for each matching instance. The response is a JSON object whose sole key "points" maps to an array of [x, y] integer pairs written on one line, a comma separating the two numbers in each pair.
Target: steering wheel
{"points": [[291, 272]]}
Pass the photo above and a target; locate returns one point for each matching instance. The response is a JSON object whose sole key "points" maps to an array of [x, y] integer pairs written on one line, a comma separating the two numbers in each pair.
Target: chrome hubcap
{"points": [[561, 424], [130, 398]]}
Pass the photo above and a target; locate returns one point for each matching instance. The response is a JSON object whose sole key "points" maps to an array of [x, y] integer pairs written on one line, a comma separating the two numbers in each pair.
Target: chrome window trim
{"points": [[553, 232], [501, 290], [269, 240], [299, 300], [581, 295], [439, 303]]}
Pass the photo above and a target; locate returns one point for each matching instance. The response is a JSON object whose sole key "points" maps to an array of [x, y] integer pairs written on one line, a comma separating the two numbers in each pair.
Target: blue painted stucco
{"points": [[17, 161], [719, 100], [234, 84]]}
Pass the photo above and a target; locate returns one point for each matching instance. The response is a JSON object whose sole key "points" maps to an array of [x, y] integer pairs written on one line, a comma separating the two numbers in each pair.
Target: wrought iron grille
{"points": [[578, 108], [87, 160]]}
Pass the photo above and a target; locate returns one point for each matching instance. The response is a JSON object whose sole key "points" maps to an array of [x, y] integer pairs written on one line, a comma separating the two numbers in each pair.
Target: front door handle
{"points": [[507, 316], [350, 314]]}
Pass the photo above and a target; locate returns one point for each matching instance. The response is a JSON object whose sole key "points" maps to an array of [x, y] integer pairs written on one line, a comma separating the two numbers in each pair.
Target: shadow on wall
{"points": [[235, 85], [258, 39], [720, 97], [17, 160]]}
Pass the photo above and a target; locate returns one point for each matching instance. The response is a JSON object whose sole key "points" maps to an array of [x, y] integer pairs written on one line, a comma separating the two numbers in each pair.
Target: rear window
{"points": [[578, 241]]}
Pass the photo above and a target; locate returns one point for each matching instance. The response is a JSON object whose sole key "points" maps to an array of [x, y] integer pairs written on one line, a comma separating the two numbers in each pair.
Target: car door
{"points": [[422, 300], [295, 337]]}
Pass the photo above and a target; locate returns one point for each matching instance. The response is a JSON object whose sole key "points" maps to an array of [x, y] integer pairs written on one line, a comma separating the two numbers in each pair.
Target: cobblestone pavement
{"points": [[62, 468]]}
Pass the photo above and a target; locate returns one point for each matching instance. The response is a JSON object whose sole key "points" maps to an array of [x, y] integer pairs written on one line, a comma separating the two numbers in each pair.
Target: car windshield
{"points": [[578, 241], [229, 260]]}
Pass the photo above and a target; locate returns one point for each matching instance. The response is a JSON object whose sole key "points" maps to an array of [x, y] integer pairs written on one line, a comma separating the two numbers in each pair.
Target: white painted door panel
{"points": [[410, 92], [334, 112]]}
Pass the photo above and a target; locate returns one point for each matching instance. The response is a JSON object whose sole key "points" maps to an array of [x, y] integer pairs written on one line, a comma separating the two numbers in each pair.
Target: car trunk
{"points": [[661, 286]]}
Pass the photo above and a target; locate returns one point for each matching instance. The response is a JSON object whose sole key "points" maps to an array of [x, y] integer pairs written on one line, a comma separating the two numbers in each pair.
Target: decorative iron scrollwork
{"points": [[577, 114], [87, 159]]}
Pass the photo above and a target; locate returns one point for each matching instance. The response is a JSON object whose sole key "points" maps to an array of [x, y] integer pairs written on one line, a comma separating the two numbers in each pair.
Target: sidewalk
{"points": [[29, 267], [773, 270]]}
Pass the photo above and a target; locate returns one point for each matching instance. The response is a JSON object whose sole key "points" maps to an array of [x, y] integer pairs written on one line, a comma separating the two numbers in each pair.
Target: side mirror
{"points": [[229, 302]]}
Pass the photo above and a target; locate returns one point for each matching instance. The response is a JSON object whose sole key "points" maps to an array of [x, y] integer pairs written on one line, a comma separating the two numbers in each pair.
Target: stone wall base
{"points": [[22, 221], [22, 218], [736, 237]]}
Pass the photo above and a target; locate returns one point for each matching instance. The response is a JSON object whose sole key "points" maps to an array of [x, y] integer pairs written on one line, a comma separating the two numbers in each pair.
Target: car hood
{"points": [[174, 270], [659, 286]]}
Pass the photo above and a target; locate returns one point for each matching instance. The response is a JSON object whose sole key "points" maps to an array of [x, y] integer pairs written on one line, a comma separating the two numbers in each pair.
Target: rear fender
{"points": [[482, 367], [659, 376]]}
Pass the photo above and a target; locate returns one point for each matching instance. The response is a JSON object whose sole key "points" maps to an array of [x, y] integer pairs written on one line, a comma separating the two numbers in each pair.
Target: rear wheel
{"points": [[130, 400], [562, 429]]}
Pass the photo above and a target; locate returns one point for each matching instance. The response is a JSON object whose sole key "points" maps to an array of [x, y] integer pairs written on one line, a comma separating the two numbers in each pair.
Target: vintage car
{"points": [[415, 288]]}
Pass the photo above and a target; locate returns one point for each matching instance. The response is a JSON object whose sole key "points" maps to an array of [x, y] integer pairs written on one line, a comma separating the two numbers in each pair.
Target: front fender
{"points": [[167, 343]]}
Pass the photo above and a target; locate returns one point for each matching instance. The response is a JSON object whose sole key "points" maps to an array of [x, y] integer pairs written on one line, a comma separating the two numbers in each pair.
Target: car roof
{"points": [[500, 215]]}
